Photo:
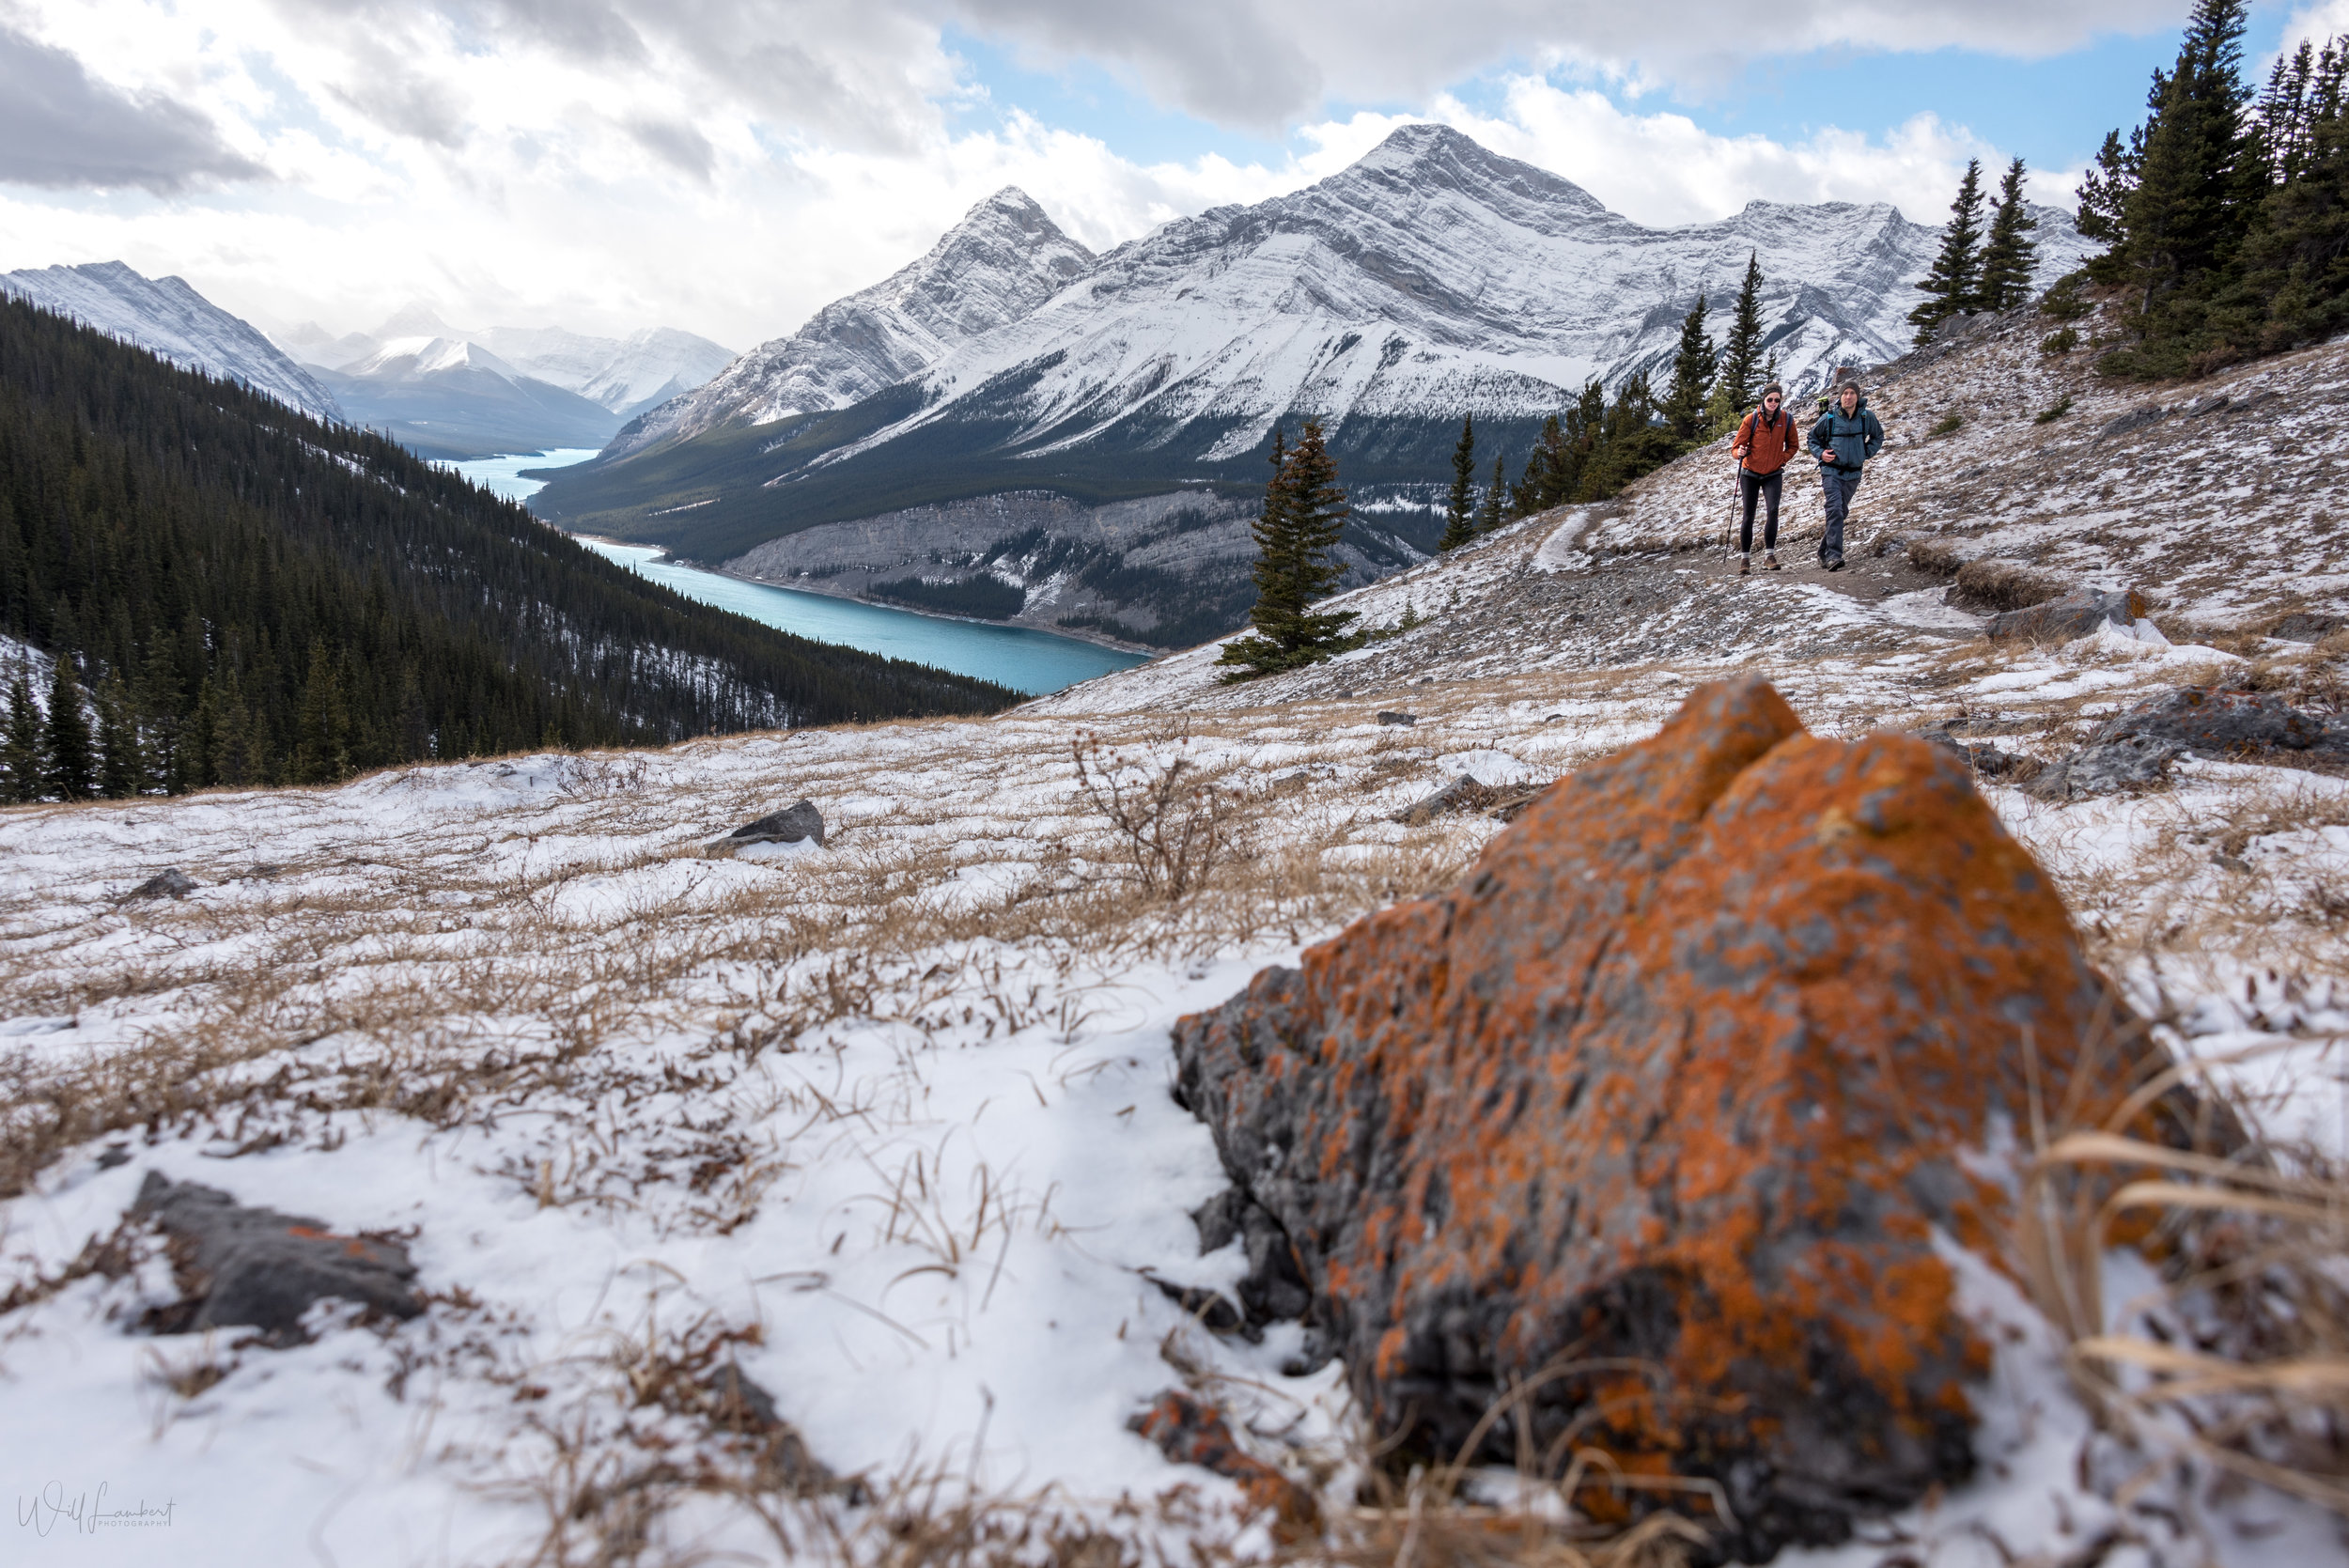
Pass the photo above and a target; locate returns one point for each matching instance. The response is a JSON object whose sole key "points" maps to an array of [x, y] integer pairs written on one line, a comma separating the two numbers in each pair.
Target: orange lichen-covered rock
{"points": [[1643, 1132]]}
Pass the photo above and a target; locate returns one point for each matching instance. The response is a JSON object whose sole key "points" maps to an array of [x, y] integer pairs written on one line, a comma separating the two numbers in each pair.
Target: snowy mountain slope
{"points": [[1429, 279], [447, 398], [169, 318], [1005, 258]]}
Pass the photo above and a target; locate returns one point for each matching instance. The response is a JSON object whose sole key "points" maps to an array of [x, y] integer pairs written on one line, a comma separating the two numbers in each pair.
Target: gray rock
{"points": [[2213, 722], [2077, 613], [1989, 760], [170, 882], [789, 826], [1464, 793], [2306, 626], [1387, 718], [2136, 762], [258, 1269], [2135, 419]]}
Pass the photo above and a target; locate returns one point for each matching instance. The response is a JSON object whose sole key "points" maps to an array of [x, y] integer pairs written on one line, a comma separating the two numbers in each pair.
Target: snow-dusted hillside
{"points": [[167, 318], [885, 1124], [1003, 260]]}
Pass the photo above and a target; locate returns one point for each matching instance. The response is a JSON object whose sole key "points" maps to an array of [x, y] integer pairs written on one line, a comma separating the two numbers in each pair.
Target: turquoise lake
{"points": [[1025, 661]]}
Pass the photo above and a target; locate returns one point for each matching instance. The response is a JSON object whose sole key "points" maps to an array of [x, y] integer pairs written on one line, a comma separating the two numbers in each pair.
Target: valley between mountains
{"points": [[883, 1129]]}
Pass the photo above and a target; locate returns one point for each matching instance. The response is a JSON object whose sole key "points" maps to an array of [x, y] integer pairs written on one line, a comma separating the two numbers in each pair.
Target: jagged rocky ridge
{"points": [[1431, 279]]}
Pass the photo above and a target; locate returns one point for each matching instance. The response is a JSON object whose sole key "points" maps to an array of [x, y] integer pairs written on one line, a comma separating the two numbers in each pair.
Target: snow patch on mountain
{"points": [[171, 320]]}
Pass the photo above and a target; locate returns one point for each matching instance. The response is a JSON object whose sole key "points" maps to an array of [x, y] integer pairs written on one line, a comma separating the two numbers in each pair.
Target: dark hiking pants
{"points": [[1757, 485], [1839, 484]]}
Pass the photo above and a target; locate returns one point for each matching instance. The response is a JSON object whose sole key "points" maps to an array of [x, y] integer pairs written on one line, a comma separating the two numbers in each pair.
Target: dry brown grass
{"points": [[2240, 1359]]}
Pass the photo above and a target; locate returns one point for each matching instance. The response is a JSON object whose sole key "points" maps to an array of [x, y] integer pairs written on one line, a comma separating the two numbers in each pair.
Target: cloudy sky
{"points": [[730, 165]]}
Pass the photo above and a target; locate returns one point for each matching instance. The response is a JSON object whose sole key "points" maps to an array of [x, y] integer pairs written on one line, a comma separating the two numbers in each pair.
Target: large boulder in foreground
{"points": [[1660, 1117]]}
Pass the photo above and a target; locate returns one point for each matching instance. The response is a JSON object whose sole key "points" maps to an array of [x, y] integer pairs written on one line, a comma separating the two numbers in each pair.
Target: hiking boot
{"points": [[1745, 565], [1833, 563], [1769, 559]]}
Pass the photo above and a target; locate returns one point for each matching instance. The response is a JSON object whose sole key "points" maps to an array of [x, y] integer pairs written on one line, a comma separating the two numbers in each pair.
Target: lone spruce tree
{"points": [[2010, 254], [71, 770], [1304, 513], [21, 749], [1693, 369], [1949, 286], [1459, 519], [1489, 516], [1741, 356]]}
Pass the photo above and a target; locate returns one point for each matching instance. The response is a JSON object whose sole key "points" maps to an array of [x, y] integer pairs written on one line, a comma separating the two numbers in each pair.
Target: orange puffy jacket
{"points": [[1767, 443]]}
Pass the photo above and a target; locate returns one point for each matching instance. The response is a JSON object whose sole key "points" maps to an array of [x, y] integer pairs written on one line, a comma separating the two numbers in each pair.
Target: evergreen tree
{"points": [[21, 749], [1304, 514], [1693, 369], [2010, 255], [1949, 286], [1489, 516], [2104, 198], [2189, 212], [121, 770], [1459, 525], [71, 770], [323, 737], [1741, 356]]}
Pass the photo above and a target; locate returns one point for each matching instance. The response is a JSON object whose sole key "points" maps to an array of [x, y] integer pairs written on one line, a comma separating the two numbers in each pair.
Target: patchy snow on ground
{"points": [[886, 1124]]}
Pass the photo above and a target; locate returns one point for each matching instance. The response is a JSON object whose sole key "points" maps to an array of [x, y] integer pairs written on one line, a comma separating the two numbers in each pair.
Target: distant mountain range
{"points": [[1431, 279], [173, 322], [444, 394], [624, 376], [448, 393]]}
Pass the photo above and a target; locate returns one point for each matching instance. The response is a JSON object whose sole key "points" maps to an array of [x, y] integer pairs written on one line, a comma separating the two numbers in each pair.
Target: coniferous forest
{"points": [[236, 594]]}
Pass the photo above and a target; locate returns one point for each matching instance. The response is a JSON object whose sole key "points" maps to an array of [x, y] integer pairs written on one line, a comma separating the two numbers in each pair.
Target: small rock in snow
{"points": [[170, 882], [261, 1270], [2077, 613], [789, 826], [1388, 718]]}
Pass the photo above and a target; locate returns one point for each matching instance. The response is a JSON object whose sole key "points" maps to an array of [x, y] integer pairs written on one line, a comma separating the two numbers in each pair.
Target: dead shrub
{"points": [[1984, 586], [1172, 819], [1937, 556]]}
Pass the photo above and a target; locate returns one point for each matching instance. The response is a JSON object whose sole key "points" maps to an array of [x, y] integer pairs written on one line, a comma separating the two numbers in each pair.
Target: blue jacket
{"points": [[1854, 438]]}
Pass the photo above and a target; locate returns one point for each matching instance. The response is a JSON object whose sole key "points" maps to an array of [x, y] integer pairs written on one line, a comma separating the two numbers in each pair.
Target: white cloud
{"points": [[731, 165]]}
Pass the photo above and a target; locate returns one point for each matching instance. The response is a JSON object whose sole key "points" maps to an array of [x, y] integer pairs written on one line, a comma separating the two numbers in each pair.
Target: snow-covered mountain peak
{"points": [[414, 319], [1421, 158], [1004, 259], [424, 356]]}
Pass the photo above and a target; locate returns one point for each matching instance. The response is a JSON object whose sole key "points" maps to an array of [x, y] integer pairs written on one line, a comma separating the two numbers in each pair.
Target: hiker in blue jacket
{"points": [[1845, 437]]}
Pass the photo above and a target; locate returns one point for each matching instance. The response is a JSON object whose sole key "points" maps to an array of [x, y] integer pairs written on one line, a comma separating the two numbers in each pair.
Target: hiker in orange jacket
{"points": [[1764, 441]]}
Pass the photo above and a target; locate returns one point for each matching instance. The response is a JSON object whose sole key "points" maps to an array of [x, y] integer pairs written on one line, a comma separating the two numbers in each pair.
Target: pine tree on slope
{"points": [[1693, 369], [2190, 209], [1459, 524], [2010, 255], [71, 771], [1741, 356], [1489, 516], [1949, 286], [121, 769], [1303, 516], [21, 749], [2104, 198]]}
